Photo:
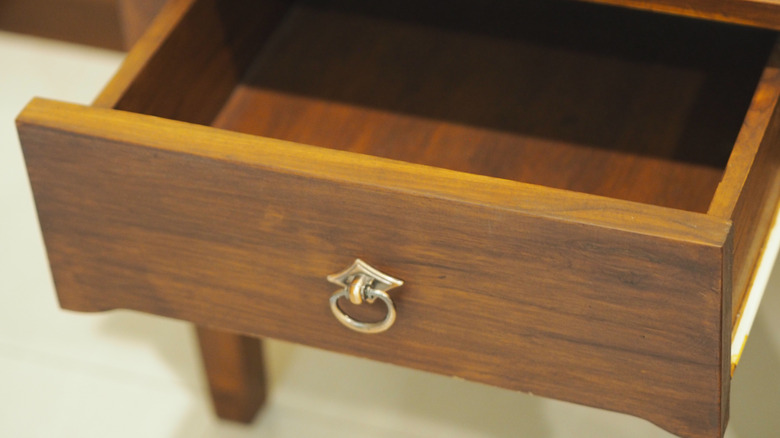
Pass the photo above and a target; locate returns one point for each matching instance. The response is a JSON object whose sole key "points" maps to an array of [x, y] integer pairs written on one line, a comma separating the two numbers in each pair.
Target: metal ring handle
{"points": [[360, 326], [362, 282]]}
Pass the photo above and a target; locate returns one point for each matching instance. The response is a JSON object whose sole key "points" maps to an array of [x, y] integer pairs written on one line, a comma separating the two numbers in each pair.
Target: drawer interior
{"points": [[592, 99]]}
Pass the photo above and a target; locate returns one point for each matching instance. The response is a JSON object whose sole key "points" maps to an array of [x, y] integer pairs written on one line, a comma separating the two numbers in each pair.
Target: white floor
{"points": [[124, 374]]}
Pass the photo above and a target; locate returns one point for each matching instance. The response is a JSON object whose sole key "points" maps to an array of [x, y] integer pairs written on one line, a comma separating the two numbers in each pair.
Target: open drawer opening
{"points": [[592, 99]]}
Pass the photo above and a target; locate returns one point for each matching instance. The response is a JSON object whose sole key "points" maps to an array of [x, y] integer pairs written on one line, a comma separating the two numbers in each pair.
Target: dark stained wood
{"points": [[630, 124], [761, 13], [93, 22], [236, 373], [750, 189], [557, 205], [143, 51], [605, 302], [602, 302], [549, 71], [111, 24], [201, 49], [486, 152], [727, 328]]}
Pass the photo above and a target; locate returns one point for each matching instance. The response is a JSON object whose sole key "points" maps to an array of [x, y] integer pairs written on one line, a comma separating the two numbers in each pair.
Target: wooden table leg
{"points": [[235, 371]]}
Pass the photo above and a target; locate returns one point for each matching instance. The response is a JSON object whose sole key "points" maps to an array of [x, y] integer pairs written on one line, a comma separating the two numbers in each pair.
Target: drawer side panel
{"points": [[750, 190], [201, 49]]}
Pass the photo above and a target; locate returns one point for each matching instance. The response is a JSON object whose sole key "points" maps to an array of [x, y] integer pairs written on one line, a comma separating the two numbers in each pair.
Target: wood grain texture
{"points": [[641, 119], [616, 304], [760, 13], [601, 302], [749, 192], [652, 124], [309, 161], [235, 372], [200, 49]]}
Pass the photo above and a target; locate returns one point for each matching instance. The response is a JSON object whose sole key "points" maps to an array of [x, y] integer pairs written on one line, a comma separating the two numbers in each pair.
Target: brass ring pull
{"points": [[362, 282]]}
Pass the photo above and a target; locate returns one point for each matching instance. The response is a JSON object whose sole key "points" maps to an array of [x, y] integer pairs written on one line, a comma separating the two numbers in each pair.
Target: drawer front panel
{"points": [[629, 321]]}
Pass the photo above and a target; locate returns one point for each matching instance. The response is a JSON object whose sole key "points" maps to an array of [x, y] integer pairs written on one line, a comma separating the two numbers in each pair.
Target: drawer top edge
{"points": [[379, 173]]}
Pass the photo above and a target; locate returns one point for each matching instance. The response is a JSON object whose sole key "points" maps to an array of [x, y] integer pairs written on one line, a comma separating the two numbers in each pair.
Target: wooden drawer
{"points": [[575, 196]]}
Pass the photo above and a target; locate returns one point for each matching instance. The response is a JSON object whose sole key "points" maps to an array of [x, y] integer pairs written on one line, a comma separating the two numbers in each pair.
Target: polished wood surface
{"points": [[513, 285], [308, 161], [167, 20], [201, 49], [232, 363], [235, 372], [599, 300], [573, 109]]}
